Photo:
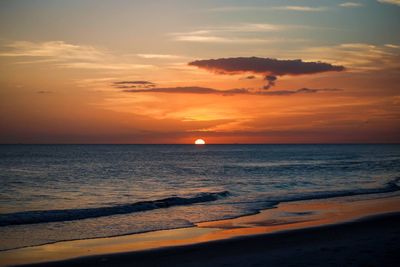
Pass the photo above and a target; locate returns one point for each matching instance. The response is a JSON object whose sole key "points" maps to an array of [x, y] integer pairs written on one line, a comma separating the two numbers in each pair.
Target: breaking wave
{"points": [[46, 216]]}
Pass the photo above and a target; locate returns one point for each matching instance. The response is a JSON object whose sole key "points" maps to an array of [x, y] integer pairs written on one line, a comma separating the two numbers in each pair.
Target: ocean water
{"points": [[51, 193]]}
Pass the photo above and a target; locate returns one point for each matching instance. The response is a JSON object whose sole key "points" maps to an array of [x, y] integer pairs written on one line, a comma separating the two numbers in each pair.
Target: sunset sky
{"points": [[102, 71]]}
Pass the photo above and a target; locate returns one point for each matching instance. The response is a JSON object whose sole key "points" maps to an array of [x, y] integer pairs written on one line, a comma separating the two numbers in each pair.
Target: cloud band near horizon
{"points": [[230, 92]]}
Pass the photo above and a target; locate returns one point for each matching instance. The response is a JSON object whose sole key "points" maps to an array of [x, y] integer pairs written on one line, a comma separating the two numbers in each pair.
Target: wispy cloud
{"points": [[237, 8], [44, 92], [201, 38], [357, 56], [247, 27], [52, 49], [65, 55], [394, 2], [230, 92], [158, 56], [351, 4], [133, 84], [232, 40], [263, 8], [393, 46], [241, 28], [239, 33], [104, 66], [300, 8]]}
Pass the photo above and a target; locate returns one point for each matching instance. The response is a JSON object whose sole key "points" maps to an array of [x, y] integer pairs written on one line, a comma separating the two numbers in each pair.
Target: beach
{"points": [[370, 242], [345, 231]]}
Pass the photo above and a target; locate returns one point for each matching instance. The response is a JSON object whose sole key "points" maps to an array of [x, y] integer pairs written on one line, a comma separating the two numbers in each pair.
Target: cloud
{"points": [[190, 90], [104, 65], [350, 4], [54, 49], [202, 39], [237, 33], [356, 56], [271, 79], [263, 8], [230, 40], [230, 92], [239, 8], [66, 55], [158, 56], [133, 84], [269, 67], [393, 46], [394, 2], [298, 91], [44, 92], [299, 8], [250, 77], [242, 27]]}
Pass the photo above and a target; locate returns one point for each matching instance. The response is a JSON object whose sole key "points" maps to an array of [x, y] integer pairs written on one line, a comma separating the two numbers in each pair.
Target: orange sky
{"points": [[74, 80]]}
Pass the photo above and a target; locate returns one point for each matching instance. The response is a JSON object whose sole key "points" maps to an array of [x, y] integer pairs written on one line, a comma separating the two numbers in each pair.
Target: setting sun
{"points": [[199, 142]]}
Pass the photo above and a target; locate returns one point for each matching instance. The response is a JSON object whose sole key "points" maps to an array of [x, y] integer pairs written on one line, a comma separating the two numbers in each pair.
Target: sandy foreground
{"points": [[336, 232]]}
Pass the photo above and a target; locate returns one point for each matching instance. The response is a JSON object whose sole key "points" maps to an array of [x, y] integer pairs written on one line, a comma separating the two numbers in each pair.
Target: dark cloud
{"points": [[44, 92], [250, 77], [133, 84], [238, 91], [189, 90], [298, 91], [269, 67], [270, 81], [125, 86]]}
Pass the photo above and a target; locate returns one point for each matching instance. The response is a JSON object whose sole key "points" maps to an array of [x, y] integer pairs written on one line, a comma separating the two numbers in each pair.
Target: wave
{"points": [[46, 216], [270, 203], [389, 187]]}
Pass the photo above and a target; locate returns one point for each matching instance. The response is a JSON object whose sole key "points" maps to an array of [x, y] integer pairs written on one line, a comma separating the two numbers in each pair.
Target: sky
{"points": [[172, 71]]}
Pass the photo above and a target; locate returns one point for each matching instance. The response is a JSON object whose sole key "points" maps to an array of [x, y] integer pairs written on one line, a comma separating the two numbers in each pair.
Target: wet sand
{"points": [[333, 232], [370, 242]]}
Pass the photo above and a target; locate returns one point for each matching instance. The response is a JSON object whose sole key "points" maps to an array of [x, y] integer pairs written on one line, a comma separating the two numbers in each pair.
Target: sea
{"points": [[53, 193]]}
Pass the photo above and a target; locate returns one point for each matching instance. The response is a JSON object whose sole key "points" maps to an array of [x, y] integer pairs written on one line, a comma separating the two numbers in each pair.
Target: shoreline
{"points": [[342, 244], [315, 214]]}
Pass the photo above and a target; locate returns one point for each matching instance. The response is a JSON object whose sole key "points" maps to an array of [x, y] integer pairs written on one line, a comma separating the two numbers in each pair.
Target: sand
{"points": [[369, 242]]}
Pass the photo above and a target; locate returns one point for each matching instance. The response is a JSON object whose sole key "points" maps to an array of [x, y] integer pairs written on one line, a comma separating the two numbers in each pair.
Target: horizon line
{"points": [[192, 144]]}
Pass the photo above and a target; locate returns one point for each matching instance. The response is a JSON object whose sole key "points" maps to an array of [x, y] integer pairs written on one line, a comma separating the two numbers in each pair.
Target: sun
{"points": [[199, 142]]}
